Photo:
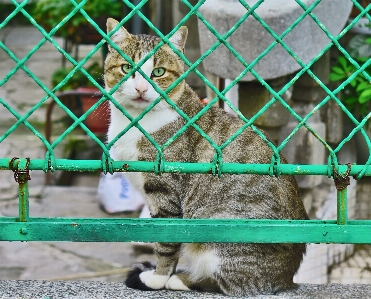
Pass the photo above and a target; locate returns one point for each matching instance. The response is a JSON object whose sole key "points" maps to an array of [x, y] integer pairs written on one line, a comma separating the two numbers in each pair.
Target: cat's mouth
{"points": [[140, 100]]}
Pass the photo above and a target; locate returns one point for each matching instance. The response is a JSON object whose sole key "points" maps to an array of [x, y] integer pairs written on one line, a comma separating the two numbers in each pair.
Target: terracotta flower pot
{"points": [[98, 120]]}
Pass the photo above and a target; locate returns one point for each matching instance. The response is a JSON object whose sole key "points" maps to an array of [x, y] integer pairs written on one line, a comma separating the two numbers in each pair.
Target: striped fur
{"points": [[233, 269]]}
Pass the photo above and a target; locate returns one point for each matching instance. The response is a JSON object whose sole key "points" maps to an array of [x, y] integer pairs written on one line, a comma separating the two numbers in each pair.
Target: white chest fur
{"points": [[126, 148], [135, 94]]}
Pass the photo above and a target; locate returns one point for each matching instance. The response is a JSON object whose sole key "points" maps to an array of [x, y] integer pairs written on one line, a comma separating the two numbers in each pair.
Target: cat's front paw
{"points": [[152, 280]]}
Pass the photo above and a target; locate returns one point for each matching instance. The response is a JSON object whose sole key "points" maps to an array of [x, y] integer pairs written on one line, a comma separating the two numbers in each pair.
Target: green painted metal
{"points": [[182, 167], [26, 228], [185, 230], [23, 202], [342, 207]]}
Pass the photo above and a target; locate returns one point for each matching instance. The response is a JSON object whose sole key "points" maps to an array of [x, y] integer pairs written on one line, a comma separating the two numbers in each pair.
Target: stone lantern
{"points": [[277, 67]]}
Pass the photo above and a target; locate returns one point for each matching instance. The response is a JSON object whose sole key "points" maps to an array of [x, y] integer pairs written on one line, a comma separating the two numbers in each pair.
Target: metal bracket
{"points": [[20, 176]]}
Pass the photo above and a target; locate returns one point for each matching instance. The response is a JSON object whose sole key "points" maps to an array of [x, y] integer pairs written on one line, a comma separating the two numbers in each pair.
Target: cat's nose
{"points": [[141, 90], [141, 87]]}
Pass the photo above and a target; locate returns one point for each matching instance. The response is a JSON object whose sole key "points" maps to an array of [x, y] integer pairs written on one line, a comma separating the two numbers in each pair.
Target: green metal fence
{"points": [[26, 228]]}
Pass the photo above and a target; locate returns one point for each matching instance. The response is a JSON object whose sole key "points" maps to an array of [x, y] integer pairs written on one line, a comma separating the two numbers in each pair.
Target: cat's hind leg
{"points": [[182, 281], [178, 282], [202, 262]]}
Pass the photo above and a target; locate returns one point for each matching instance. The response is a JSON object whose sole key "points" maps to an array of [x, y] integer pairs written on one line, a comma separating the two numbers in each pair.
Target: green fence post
{"points": [[342, 207], [22, 176], [342, 181]]}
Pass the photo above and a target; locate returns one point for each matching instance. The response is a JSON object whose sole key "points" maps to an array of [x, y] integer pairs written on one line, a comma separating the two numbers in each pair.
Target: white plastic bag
{"points": [[116, 194]]}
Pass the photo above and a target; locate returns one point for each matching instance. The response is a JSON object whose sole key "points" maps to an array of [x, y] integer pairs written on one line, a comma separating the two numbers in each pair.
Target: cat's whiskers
{"points": [[99, 113]]}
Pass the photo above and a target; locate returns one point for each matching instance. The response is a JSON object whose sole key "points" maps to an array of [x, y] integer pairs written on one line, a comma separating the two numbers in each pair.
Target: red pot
{"points": [[98, 120]]}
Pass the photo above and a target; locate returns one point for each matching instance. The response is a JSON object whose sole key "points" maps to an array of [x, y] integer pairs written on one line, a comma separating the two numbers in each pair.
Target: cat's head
{"points": [[164, 67]]}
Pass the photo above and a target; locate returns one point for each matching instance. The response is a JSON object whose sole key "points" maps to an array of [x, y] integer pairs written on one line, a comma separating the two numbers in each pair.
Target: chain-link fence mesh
{"points": [[27, 228]]}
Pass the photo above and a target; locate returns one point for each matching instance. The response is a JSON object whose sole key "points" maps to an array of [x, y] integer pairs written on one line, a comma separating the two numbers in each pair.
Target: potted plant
{"points": [[49, 13], [356, 96], [88, 94]]}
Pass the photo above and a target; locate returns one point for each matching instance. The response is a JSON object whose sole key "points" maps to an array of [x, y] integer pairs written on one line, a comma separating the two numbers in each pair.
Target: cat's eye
{"points": [[158, 72], [126, 68]]}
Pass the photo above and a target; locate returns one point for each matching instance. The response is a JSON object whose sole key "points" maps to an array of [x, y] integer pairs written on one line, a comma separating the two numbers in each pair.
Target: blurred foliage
{"points": [[19, 18], [78, 79], [356, 96], [49, 13]]}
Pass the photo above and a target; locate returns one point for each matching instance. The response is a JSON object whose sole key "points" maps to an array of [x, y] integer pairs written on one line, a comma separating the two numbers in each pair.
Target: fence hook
{"points": [[159, 167], [107, 164], [342, 181], [20, 176], [274, 169], [217, 164]]}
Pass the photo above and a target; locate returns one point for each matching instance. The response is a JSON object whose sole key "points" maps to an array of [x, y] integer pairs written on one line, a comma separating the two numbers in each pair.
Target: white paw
{"points": [[153, 281], [174, 283]]}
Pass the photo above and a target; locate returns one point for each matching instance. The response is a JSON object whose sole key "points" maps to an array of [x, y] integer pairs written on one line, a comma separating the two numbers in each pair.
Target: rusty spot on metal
{"points": [[342, 181], [20, 176]]}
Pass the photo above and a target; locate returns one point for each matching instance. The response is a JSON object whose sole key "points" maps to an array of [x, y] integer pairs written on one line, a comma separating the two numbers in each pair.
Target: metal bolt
{"points": [[24, 231]]}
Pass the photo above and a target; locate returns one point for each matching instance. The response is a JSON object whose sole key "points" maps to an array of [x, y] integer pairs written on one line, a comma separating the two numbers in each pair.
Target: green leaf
{"points": [[338, 70], [360, 79], [343, 62], [368, 40], [351, 100], [365, 96], [353, 83], [362, 59], [336, 77], [363, 110], [363, 85]]}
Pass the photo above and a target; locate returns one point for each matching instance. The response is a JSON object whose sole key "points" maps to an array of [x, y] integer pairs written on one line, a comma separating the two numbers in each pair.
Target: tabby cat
{"points": [[232, 269]]}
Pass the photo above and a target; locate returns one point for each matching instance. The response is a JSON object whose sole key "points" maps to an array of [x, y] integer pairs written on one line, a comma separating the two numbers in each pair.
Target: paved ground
{"points": [[110, 290]]}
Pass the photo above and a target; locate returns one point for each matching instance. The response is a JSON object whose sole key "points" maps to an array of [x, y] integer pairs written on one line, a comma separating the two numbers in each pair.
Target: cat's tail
{"points": [[133, 280]]}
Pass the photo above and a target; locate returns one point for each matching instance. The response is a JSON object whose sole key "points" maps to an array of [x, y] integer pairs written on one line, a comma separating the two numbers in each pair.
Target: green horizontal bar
{"points": [[180, 167], [185, 230]]}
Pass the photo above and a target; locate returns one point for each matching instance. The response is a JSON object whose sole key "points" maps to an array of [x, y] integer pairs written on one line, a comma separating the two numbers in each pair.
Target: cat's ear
{"points": [[120, 34], [179, 38]]}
